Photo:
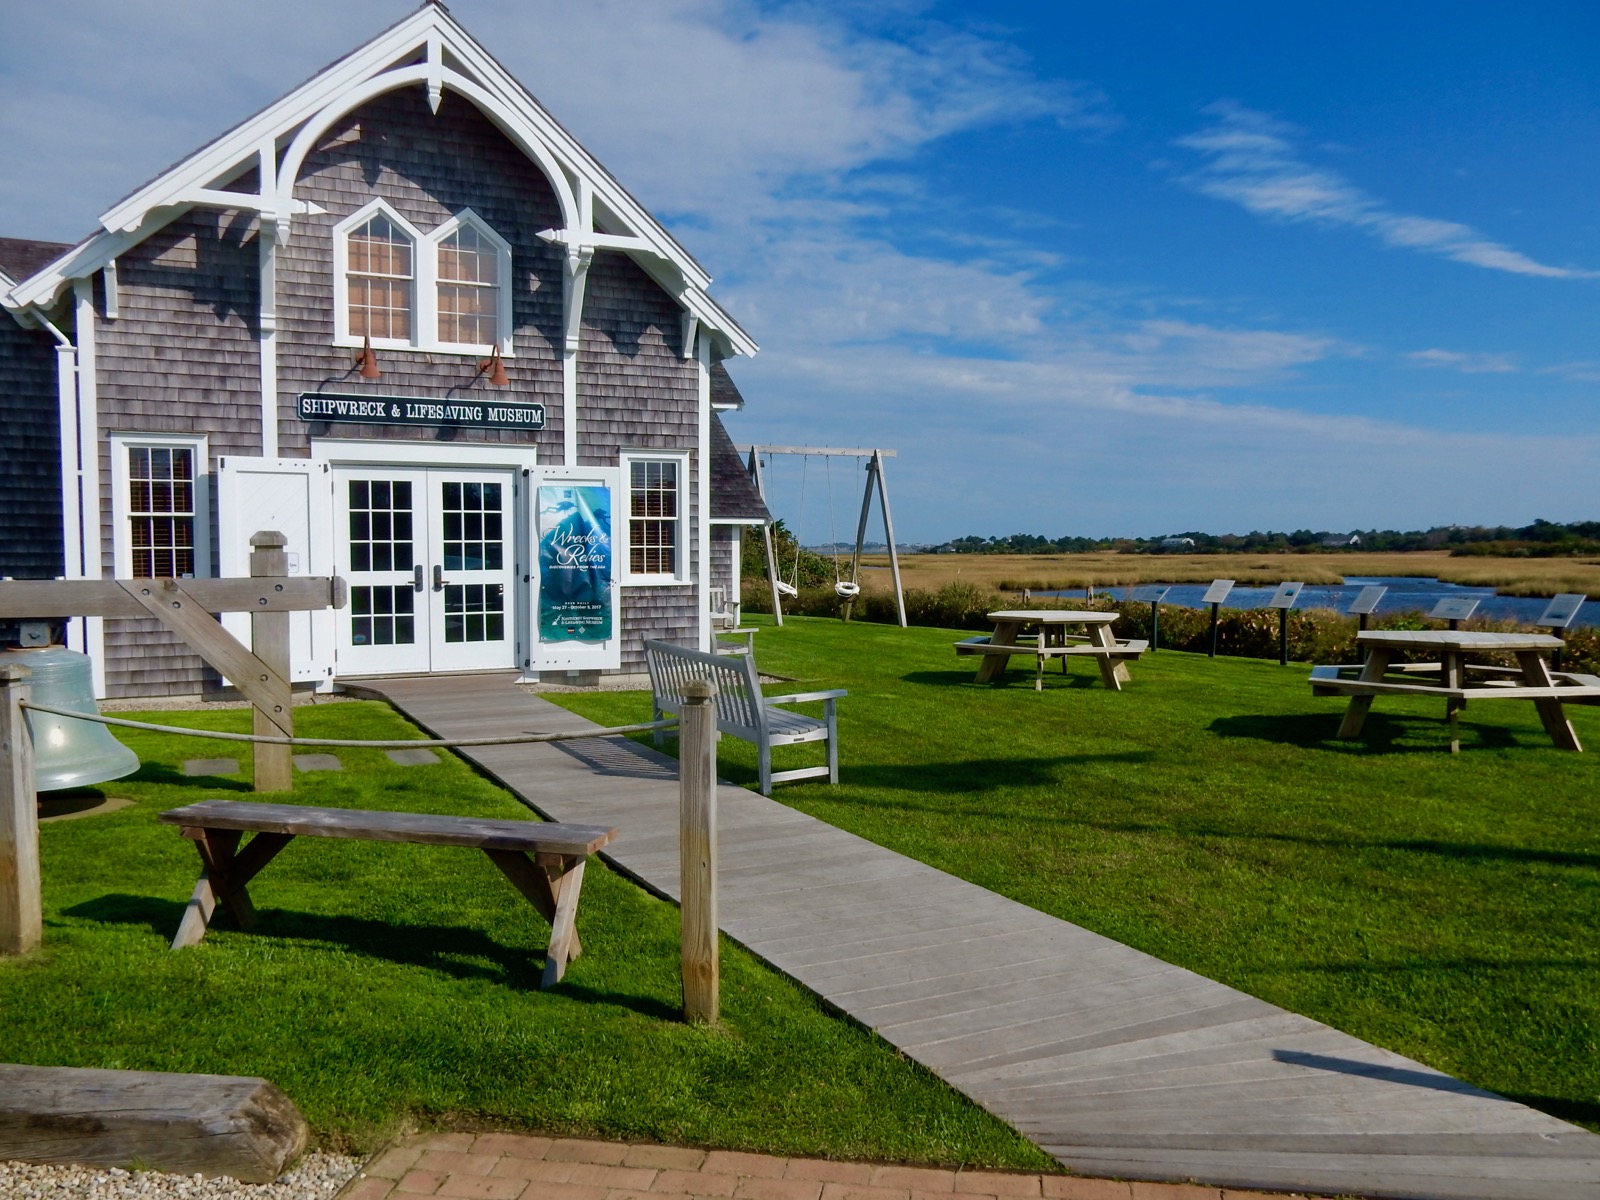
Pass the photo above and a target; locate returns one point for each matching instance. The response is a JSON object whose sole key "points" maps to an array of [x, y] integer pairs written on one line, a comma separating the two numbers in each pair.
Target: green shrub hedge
{"points": [[1317, 635]]}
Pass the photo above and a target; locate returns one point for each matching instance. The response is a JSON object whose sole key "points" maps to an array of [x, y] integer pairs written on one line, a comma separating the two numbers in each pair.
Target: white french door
{"points": [[429, 557]]}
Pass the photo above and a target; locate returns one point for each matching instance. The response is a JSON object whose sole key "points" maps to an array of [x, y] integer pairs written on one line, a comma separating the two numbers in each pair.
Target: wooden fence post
{"points": [[697, 850], [269, 632], [21, 902]]}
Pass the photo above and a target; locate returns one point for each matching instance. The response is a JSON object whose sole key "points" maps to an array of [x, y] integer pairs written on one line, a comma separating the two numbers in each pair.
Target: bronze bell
{"points": [[68, 753]]}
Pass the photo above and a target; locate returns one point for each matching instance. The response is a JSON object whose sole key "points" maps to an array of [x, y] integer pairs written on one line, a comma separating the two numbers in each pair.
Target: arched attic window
{"points": [[448, 290], [375, 277], [472, 266]]}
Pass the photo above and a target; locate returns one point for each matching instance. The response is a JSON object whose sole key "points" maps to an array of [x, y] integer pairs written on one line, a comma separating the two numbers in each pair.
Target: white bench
{"points": [[742, 711]]}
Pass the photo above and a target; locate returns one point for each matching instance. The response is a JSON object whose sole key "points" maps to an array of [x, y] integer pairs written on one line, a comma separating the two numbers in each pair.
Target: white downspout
{"points": [[88, 462], [702, 523]]}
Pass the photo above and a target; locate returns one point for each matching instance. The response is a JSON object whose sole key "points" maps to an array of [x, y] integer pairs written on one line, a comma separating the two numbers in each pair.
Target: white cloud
{"points": [[1252, 160], [782, 143], [1467, 364]]}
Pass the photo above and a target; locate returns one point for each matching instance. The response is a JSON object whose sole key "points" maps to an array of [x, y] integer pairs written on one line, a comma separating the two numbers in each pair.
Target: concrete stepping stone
{"points": [[420, 757], [317, 762], [211, 766]]}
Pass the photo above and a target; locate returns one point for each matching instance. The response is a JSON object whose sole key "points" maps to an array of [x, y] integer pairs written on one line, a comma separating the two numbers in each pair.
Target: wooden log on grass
{"points": [[211, 1124]]}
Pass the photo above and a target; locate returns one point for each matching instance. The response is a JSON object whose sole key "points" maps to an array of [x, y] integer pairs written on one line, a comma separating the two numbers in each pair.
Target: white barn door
{"points": [[295, 497]]}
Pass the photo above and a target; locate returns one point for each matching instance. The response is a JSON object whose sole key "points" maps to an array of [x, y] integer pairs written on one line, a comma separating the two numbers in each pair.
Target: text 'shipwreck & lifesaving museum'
{"points": [[404, 318]]}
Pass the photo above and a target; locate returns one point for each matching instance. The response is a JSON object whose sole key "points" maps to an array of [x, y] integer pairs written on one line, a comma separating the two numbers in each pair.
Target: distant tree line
{"points": [[1542, 539]]}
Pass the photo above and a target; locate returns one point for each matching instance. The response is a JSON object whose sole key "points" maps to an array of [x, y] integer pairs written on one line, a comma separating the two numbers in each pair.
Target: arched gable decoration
{"points": [[277, 140], [427, 75]]}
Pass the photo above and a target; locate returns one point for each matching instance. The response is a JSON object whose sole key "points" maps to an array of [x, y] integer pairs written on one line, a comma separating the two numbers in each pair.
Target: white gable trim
{"points": [[294, 125]]}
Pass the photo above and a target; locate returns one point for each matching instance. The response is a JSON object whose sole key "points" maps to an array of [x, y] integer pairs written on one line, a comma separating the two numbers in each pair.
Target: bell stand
{"points": [[875, 477], [184, 607]]}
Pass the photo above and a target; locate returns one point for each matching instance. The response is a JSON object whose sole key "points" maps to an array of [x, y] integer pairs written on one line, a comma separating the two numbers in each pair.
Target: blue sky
{"points": [[1092, 268]]}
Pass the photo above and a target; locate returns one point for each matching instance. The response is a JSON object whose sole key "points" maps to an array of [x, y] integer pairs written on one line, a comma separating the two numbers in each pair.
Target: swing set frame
{"points": [[875, 481]]}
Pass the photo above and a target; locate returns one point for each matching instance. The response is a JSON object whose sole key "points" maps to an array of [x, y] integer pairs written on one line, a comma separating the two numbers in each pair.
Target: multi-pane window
{"points": [[380, 269], [653, 518], [383, 616], [473, 527], [475, 612], [381, 525], [161, 511], [469, 288]]}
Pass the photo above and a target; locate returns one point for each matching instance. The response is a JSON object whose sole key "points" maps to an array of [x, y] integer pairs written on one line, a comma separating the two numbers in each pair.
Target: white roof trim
{"points": [[293, 124]]}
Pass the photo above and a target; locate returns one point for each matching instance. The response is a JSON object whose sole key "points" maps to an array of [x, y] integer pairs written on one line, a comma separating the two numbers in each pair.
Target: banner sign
{"points": [[574, 524], [413, 410]]}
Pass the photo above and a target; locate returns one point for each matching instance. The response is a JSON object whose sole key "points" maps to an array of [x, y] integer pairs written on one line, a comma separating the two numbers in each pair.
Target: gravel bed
{"points": [[317, 1177]]}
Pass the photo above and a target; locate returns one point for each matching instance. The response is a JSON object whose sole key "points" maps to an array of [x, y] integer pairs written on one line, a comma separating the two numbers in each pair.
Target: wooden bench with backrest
{"points": [[742, 711], [543, 861]]}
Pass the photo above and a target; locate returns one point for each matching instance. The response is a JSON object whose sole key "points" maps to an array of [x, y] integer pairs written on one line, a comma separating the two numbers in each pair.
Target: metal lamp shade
{"points": [[68, 753]]}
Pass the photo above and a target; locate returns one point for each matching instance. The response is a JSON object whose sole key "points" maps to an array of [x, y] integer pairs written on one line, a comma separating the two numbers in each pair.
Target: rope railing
{"points": [[353, 743]]}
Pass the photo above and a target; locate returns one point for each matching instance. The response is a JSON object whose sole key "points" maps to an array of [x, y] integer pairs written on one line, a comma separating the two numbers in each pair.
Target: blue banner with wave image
{"points": [[574, 563]]}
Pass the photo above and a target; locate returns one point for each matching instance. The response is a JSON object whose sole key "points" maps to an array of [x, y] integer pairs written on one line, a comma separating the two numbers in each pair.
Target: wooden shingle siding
{"points": [[722, 558], [181, 357], [637, 392], [634, 389], [428, 168], [670, 614], [30, 471]]}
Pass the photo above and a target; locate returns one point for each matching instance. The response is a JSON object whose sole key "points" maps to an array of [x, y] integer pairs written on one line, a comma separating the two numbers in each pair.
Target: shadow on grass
{"points": [[1015, 677], [979, 775], [160, 772], [1579, 1112], [1381, 734], [455, 950]]}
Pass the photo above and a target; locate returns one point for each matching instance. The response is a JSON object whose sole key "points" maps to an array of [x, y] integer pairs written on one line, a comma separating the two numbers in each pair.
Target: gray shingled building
{"points": [[403, 317]]}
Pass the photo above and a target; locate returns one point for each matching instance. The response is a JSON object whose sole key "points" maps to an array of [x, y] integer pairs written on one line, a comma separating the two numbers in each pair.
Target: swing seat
{"points": [[847, 589], [787, 589]]}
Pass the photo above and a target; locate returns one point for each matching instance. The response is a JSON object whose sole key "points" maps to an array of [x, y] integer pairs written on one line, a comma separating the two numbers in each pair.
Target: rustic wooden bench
{"points": [[1124, 651], [543, 861], [742, 711]]}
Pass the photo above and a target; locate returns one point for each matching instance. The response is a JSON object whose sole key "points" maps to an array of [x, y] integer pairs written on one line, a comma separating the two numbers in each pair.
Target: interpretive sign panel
{"points": [[418, 410], [1285, 596], [1366, 600], [574, 563], [1562, 610], [1217, 592], [1455, 608], [1152, 595]]}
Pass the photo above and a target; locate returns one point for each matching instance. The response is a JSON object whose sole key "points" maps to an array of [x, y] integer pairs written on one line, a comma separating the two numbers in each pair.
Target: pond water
{"points": [[1406, 593]]}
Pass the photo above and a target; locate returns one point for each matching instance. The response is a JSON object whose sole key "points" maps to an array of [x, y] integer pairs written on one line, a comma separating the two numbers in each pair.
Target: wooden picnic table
{"points": [[1458, 680], [1052, 640]]}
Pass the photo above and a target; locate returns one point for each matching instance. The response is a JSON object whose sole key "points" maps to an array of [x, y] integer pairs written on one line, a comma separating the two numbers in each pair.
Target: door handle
{"points": [[438, 578], [416, 578]]}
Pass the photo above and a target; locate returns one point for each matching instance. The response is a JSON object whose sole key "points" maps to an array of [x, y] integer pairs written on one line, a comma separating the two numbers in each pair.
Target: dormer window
{"points": [[469, 288], [381, 276], [447, 290]]}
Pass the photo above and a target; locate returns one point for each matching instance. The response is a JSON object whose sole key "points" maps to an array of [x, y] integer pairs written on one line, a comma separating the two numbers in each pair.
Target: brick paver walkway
{"points": [[509, 1166]]}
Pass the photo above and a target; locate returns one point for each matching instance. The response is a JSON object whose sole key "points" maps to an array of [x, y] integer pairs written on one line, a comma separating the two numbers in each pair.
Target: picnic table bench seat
{"points": [[543, 861], [1068, 646], [742, 711], [1569, 687]]}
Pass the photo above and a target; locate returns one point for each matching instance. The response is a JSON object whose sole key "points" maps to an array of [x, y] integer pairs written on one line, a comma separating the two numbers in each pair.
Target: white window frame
{"points": [[121, 499], [424, 283], [466, 218], [341, 277], [682, 575]]}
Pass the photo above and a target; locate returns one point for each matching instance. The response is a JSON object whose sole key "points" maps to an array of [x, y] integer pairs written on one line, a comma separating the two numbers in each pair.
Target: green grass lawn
{"points": [[1444, 907], [388, 984]]}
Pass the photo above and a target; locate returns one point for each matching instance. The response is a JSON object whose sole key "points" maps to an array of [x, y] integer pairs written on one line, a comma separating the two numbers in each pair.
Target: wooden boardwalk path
{"points": [[1115, 1062]]}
